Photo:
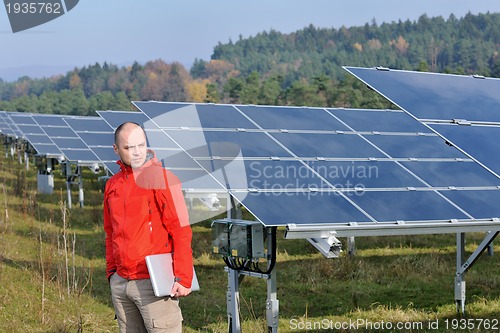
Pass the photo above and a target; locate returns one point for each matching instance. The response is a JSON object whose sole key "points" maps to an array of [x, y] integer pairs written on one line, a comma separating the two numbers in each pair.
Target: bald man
{"points": [[144, 214]]}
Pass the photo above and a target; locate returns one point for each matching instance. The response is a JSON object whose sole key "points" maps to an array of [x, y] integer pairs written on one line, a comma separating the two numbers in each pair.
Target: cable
{"points": [[252, 265]]}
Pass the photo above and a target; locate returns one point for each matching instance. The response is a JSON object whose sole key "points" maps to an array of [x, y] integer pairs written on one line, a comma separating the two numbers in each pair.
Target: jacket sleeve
{"points": [[108, 228], [176, 220]]}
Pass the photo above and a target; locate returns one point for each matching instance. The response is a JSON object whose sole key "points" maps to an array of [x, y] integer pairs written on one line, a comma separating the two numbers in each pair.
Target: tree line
{"points": [[469, 45], [300, 68]]}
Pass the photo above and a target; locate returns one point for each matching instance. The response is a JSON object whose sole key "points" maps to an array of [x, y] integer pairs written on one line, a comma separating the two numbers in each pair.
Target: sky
{"points": [[123, 31]]}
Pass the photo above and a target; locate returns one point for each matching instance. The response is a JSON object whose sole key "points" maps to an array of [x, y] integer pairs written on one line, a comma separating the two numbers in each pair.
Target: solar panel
{"points": [[285, 173], [465, 110], [88, 125], [292, 118], [312, 145], [23, 119], [366, 174], [378, 121], [480, 203], [408, 206], [51, 136], [116, 118], [476, 141], [415, 146], [448, 174], [207, 115], [52, 121], [316, 166], [12, 127], [300, 208], [436, 96], [227, 143], [97, 139], [5, 128], [82, 156], [28, 129], [39, 139], [92, 135], [64, 138]]}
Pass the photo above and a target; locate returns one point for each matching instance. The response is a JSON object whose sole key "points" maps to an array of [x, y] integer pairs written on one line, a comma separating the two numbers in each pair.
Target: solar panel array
{"points": [[6, 126], [51, 136], [315, 167], [465, 110], [34, 134]]}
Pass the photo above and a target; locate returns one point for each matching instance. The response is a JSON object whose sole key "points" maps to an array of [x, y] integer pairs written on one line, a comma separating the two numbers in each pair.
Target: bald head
{"points": [[130, 144], [126, 126]]}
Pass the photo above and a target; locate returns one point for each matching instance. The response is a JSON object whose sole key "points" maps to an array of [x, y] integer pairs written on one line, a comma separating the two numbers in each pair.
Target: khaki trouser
{"points": [[139, 310]]}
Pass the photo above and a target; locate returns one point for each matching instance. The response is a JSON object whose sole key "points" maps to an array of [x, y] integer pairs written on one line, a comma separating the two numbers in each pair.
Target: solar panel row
{"points": [[464, 109], [313, 166], [337, 165]]}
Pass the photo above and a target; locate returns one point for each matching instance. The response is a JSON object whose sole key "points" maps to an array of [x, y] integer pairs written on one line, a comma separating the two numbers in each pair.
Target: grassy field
{"points": [[52, 275]]}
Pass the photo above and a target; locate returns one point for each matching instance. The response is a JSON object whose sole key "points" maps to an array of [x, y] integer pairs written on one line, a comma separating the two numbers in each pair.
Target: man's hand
{"points": [[179, 290]]}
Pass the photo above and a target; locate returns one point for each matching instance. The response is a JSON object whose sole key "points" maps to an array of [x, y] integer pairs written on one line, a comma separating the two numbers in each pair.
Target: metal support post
{"points": [[68, 183], [68, 194], [229, 206], [460, 276], [238, 269], [464, 265], [49, 166], [351, 246], [233, 302], [490, 250], [80, 185], [26, 160], [272, 303], [233, 292], [490, 247], [235, 212]]}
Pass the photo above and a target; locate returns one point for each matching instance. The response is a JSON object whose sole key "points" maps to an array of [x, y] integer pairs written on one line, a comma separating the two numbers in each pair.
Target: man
{"points": [[144, 213]]}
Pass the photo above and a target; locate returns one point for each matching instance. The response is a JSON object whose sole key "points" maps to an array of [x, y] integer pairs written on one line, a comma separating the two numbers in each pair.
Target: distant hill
{"points": [[299, 68], [467, 45]]}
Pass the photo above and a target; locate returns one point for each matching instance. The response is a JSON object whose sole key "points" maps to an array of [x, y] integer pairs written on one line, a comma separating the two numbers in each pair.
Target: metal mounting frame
{"points": [[463, 265], [490, 226], [234, 276], [353, 229], [70, 180]]}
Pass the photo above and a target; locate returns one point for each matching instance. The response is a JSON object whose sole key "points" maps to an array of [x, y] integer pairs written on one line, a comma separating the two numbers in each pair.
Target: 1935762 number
{"points": [[33, 8], [472, 324]]}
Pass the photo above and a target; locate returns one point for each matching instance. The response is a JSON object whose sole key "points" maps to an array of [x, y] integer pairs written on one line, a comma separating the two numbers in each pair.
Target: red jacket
{"points": [[145, 213]]}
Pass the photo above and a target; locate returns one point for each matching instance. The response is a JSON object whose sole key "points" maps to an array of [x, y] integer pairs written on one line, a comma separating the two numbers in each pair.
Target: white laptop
{"points": [[161, 271]]}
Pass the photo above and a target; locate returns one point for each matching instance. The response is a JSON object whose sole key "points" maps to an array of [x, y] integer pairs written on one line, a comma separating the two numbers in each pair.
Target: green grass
{"points": [[407, 279]]}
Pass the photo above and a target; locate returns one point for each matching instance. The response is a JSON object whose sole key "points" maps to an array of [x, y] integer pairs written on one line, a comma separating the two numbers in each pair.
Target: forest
{"points": [[272, 68]]}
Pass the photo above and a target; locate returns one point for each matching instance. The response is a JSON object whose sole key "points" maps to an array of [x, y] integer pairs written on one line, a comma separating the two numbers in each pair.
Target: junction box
{"points": [[238, 238]]}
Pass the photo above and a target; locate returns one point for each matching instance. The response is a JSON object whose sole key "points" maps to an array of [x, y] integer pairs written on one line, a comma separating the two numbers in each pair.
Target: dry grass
{"points": [[52, 273]]}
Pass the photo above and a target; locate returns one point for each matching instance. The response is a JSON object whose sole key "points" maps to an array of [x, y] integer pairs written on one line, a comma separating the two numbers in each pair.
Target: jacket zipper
{"points": [[150, 223], [125, 251]]}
